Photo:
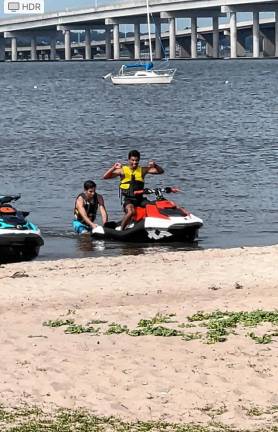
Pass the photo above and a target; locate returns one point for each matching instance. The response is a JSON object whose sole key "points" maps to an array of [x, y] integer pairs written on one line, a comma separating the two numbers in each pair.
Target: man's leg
{"points": [[80, 228], [129, 213], [184, 211]]}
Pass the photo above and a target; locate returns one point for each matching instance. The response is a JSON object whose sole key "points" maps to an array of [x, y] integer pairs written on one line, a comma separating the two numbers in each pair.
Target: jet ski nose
{"points": [[98, 230]]}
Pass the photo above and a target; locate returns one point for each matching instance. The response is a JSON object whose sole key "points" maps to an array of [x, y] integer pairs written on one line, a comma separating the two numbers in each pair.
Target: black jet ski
{"points": [[159, 221], [20, 239]]}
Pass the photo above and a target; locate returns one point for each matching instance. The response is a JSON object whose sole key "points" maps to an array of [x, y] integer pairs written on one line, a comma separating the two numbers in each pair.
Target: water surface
{"points": [[214, 130]]}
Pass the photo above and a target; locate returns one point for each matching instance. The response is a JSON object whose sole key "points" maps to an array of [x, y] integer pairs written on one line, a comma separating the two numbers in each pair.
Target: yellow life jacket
{"points": [[132, 180]]}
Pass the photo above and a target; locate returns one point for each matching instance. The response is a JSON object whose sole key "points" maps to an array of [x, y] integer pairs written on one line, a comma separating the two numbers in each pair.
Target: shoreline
{"points": [[47, 255], [143, 377]]}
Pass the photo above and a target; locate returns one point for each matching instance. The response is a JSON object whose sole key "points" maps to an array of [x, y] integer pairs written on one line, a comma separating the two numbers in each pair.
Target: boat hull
{"points": [[136, 80]]}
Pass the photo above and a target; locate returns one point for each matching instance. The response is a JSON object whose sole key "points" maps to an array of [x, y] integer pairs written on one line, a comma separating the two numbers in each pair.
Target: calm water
{"points": [[214, 131]]}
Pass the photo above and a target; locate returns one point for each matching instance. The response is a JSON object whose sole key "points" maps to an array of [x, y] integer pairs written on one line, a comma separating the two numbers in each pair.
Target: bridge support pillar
{"points": [[276, 33], [215, 37], [2, 47], [209, 50], [108, 50], [268, 42], [194, 37], [53, 48], [241, 44], [256, 35], [208, 38], [137, 41], [14, 49], [172, 37], [130, 49], [233, 35], [157, 38], [184, 45], [88, 49], [67, 45], [116, 41], [33, 49]]}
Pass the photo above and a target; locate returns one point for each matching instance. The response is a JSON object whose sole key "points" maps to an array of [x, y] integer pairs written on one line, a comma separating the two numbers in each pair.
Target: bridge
{"points": [[109, 18]]}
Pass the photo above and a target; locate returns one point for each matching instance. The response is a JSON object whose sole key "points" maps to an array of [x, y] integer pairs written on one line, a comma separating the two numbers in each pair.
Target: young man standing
{"points": [[132, 179], [86, 206]]}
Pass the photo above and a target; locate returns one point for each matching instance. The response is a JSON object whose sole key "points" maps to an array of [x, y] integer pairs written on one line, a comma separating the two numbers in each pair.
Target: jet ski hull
{"points": [[152, 231], [18, 245]]}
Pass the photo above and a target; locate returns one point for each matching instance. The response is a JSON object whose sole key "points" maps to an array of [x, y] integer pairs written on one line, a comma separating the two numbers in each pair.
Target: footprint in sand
{"points": [[57, 386]]}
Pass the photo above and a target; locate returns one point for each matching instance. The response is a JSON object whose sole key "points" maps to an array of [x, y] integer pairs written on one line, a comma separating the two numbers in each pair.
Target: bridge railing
{"points": [[90, 4]]}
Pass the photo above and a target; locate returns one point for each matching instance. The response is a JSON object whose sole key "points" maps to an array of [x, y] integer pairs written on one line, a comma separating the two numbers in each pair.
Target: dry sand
{"points": [[144, 377]]}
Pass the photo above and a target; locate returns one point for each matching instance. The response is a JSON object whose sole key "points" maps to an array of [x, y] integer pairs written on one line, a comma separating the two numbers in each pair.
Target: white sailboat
{"points": [[143, 73]]}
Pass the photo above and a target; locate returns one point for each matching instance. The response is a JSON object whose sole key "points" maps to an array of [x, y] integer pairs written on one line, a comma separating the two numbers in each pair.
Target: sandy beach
{"points": [[134, 376]]}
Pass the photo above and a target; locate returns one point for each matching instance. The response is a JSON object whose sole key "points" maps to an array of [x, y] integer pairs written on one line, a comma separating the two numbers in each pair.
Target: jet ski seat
{"points": [[7, 210]]}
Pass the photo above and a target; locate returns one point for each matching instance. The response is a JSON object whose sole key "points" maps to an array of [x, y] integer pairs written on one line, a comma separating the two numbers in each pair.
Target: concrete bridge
{"points": [[109, 19]]}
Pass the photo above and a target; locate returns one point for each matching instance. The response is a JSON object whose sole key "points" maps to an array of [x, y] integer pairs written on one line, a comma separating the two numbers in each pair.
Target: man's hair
{"points": [[89, 184], [134, 153]]}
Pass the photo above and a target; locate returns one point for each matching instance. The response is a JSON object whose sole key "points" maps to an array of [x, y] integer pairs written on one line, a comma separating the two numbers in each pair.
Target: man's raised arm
{"points": [[102, 209], [153, 168], [114, 171]]}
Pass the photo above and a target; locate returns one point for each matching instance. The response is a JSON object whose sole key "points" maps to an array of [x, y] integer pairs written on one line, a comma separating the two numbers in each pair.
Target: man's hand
{"points": [[153, 168], [151, 164], [93, 225], [114, 171]]}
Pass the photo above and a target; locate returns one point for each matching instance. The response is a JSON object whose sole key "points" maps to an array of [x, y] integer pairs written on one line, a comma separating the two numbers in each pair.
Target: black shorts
{"points": [[136, 201]]}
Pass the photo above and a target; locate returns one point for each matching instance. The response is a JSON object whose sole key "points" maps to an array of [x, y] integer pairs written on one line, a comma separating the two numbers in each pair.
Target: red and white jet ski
{"points": [[159, 221]]}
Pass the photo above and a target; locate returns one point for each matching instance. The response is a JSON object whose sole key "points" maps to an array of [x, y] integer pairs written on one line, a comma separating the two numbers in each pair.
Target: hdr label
{"points": [[23, 7]]}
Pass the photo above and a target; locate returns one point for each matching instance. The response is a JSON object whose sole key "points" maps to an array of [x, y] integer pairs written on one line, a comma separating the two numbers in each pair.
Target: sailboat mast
{"points": [[149, 31]]}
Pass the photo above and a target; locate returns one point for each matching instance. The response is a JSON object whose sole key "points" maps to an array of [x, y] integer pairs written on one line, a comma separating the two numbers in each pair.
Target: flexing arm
{"points": [[114, 171], [153, 168], [82, 212], [102, 209]]}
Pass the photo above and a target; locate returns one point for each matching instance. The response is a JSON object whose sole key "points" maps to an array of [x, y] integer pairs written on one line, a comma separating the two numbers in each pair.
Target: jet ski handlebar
{"points": [[5, 199], [157, 191]]}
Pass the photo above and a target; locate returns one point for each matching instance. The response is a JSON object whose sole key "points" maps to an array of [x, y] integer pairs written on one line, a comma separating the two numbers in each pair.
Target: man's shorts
{"points": [[80, 228], [137, 202]]}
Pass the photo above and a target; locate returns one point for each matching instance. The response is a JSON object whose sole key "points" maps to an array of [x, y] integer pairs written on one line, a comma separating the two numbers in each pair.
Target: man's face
{"points": [[133, 162], [90, 192]]}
